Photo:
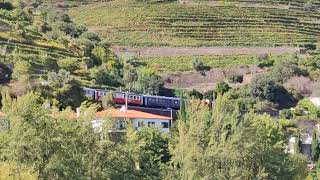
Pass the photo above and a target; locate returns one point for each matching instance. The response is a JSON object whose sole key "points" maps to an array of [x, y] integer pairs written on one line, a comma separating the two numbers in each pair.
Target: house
{"points": [[138, 119]]}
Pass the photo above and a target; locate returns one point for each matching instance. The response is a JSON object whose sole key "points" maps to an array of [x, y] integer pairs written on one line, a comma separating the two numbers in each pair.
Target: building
{"points": [[138, 119]]}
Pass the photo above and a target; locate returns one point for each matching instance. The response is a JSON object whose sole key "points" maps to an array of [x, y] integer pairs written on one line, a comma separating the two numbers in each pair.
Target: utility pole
{"points": [[171, 117], [126, 101]]}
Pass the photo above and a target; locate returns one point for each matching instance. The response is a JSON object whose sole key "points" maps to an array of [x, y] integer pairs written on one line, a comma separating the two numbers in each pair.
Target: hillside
{"points": [[205, 23]]}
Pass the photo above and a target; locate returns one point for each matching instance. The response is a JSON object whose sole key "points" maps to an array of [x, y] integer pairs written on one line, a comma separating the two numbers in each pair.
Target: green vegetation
{"points": [[206, 143], [185, 63], [132, 23]]}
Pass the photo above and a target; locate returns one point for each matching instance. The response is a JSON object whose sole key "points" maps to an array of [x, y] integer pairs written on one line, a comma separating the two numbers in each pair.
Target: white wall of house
{"points": [[164, 125]]}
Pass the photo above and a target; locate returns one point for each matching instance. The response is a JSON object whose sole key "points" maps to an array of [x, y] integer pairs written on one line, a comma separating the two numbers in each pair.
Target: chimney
{"points": [[78, 112]]}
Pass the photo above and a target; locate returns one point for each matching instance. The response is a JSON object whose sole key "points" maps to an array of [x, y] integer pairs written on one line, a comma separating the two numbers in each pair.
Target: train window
{"points": [[165, 125]]}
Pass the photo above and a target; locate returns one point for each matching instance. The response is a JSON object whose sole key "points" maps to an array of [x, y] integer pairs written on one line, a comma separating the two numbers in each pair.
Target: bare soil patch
{"points": [[203, 83], [194, 51]]}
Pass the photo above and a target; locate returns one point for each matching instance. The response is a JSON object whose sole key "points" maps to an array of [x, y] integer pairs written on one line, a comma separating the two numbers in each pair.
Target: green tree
{"points": [[69, 64], [315, 149], [64, 89], [198, 65], [265, 87], [22, 71], [195, 94], [225, 145], [222, 87], [148, 84]]}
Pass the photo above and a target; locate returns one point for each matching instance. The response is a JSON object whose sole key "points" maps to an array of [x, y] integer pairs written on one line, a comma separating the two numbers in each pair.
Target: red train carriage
{"points": [[99, 94], [133, 99]]}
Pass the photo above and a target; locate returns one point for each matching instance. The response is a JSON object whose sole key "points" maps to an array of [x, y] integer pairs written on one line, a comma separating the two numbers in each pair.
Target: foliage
{"points": [[69, 64], [148, 84], [222, 87], [235, 78], [265, 87], [286, 114], [22, 71], [224, 145], [195, 94], [64, 89], [198, 65], [211, 95], [315, 149], [306, 105], [264, 61]]}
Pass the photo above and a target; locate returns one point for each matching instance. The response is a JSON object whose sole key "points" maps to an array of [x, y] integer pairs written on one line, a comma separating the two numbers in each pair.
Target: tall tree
{"points": [[315, 150], [227, 145]]}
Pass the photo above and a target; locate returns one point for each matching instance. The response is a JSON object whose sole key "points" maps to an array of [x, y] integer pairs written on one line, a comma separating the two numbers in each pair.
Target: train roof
{"points": [[163, 97]]}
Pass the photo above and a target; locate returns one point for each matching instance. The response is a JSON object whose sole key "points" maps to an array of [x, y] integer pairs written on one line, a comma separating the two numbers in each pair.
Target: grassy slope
{"points": [[127, 23]]}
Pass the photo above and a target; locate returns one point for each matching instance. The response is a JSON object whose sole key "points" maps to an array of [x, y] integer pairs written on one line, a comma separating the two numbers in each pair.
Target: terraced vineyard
{"points": [[128, 23], [184, 63]]}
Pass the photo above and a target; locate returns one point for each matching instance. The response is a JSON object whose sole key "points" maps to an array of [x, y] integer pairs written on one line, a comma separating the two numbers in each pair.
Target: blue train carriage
{"points": [[89, 92], [161, 102]]}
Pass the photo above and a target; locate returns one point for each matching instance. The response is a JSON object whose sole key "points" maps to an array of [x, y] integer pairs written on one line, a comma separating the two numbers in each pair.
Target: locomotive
{"points": [[135, 99]]}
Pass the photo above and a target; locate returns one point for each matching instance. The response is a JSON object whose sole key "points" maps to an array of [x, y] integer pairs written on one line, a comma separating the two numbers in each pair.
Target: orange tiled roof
{"points": [[2, 114], [131, 114]]}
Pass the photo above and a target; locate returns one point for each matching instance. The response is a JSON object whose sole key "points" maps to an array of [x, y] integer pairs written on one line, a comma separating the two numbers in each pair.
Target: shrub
{"points": [[91, 36], [306, 104], [264, 61], [198, 65], [286, 114], [211, 95], [222, 87], [195, 94], [264, 87], [235, 78]]}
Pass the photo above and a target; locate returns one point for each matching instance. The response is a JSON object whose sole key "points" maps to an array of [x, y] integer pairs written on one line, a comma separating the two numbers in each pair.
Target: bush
{"points": [[264, 87], [235, 78], [264, 61], [91, 36], [198, 65], [222, 87], [285, 70], [195, 94], [286, 114], [211, 95], [306, 104]]}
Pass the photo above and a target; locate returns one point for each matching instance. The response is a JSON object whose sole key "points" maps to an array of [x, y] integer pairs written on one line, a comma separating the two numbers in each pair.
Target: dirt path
{"points": [[194, 80], [191, 51]]}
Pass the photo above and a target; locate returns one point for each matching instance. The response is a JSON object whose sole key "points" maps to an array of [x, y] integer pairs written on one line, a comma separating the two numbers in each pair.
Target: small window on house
{"points": [[140, 124], [165, 125], [151, 124]]}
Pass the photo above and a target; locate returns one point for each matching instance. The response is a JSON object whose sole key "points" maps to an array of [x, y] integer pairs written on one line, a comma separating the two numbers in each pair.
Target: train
{"points": [[135, 99]]}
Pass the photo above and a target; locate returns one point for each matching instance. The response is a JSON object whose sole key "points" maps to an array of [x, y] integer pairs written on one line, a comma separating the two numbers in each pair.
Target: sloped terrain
{"points": [[128, 23]]}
